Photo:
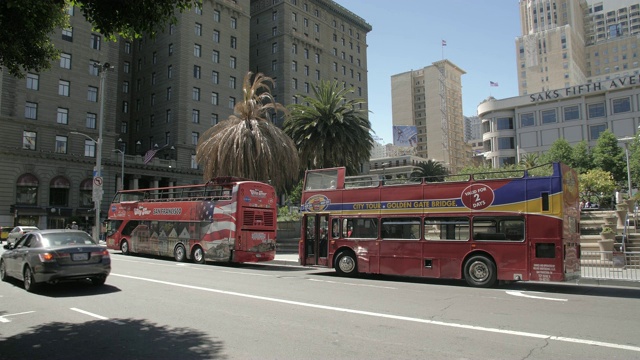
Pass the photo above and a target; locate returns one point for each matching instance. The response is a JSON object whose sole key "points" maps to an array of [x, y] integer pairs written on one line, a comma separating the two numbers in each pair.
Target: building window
{"points": [[234, 23], [294, 66], [197, 49], [232, 82], [214, 119], [234, 42], [505, 143], [63, 87], [216, 15], [194, 163], [168, 116], [504, 123], [621, 105], [92, 94], [215, 56], [29, 140], [232, 102], [62, 116], [198, 29], [294, 48], [527, 120], [31, 110], [94, 67], [169, 93], [67, 34], [216, 36], [506, 160], [169, 72], [95, 41], [125, 107], [596, 110], [33, 81], [596, 130], [61, 144], [65, 61], [89, 148], [195, 116], [274, 48], [170, 49], [232, 62], [549, 116], [214, 77], [194, 138], [274, 65], [317, 57], [127, 47], [90, 121], [195, 94], [127, 67], [198, 9], [153, 78], [294, 83], [214, 98], [571, 113], [124, 128], [196, 71]]}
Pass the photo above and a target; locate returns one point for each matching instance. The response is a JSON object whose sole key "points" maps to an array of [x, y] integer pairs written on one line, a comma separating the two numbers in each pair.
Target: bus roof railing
{"points": [[210, 191]]}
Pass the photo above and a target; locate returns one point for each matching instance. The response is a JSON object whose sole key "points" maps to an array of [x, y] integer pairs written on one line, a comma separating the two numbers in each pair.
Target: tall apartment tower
{"points": [[566, 43], [431, 99], [300, 42]]}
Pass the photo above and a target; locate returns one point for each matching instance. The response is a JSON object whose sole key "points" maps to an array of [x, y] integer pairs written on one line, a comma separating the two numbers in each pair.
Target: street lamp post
{"points": [[625, 141]]}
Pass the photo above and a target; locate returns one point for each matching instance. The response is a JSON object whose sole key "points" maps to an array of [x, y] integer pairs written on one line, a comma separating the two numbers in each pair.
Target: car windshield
{"points": [[61, 239]]}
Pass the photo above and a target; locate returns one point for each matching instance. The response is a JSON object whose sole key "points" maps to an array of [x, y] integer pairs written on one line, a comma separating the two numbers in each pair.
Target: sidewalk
{"points": [[285, 259]]}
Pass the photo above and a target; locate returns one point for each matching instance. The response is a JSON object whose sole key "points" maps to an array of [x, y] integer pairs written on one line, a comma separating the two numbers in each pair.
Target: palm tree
{"points": [[247, 144], [529, 160], [330, 131], [431, 170]]}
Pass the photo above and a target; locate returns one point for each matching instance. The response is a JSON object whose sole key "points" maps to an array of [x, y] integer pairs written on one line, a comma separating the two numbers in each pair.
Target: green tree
{"points": [[27, 25], [530, 160], [582, 160], [560, 151], [634, 160], [431, 170], [608, 156], [332, 130], [247, 144], [596, 183]]}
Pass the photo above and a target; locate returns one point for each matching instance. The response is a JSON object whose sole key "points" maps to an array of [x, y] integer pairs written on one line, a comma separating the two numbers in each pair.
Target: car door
{"points": [[12, 258]]}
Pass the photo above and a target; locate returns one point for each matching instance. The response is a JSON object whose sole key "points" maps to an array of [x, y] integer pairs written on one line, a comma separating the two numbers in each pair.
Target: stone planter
{"points": [[630, 204], [611, 221], [606, 248], [622, 215], [622, 206]]}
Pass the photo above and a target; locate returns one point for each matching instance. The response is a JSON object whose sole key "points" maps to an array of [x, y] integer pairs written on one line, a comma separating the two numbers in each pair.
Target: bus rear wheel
{"points": [[179, 253], [346, 264], [198, 255], [124, 247], [479, 271]]}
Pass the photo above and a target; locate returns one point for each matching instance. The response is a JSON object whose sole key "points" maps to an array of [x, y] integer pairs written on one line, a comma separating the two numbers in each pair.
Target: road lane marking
{"points": [[520, 293], [96, 316], [4, 320], [245, 273], [393, 317], [353, 284]]}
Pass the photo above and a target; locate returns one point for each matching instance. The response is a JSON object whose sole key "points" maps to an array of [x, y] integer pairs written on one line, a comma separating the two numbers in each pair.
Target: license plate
{"points": [[80, 257]]}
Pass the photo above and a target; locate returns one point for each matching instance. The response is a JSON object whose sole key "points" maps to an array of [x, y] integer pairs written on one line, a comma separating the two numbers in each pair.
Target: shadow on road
{"points": [[110, 339], [69, 289]]}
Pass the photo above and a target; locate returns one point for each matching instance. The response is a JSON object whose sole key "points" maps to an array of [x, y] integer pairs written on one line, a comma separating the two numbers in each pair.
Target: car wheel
{"points": [[3, 271], [98, 280], [346, 264], [198, 255], [28, 280], [124, 247], [479, 271], [179, 253]]}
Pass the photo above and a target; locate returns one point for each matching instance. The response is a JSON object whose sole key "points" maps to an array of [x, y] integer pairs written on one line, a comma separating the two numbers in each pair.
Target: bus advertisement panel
{"points": [[225, 220], [484, 228]]}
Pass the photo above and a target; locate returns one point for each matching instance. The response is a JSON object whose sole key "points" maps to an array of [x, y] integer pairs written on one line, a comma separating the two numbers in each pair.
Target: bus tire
{"points": [[198, 255], [479, 271], [179, 253], [346, 264], [124, 247]]}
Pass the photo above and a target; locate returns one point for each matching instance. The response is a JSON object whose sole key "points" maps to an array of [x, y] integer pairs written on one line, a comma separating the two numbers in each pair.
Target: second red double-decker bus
{"points": [[224, 220], [473, 227]]}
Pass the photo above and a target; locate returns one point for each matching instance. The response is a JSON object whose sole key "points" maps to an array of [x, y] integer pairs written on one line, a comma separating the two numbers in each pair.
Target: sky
{"points": [[407, 35]]}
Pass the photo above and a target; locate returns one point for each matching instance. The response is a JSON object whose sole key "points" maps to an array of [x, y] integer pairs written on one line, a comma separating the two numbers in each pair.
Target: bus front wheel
{"points": [[179, 253], [198, 255], [479, 271], [346, 264], [124, 247]]}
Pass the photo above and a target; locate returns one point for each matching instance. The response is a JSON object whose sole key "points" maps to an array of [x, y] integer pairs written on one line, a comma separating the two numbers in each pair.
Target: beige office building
{"points": [[431, 99], [566, 43]]}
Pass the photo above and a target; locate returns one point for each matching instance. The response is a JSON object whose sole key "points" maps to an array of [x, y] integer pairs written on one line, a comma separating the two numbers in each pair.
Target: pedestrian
{"points": [[74, 226], [582, 203]]}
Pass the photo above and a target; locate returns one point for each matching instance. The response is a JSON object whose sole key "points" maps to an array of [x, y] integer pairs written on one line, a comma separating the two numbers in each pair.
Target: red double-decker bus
{"points": [[225, 220], [475, 227]]}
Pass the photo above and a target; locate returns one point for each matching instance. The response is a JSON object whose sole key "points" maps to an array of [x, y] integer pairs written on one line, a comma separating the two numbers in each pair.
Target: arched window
{"points": [[59, 191], [86, 193], [27, 189]]}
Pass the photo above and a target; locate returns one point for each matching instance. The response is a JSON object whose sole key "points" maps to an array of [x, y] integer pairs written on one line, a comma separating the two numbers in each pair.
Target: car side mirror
{"points": [[8, 246]]}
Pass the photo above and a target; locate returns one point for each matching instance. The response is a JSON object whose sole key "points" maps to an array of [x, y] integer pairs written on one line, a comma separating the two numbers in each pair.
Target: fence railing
{"points": [[610, 265]]}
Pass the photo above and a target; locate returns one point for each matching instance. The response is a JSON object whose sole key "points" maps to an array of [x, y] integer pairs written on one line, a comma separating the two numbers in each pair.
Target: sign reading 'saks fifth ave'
{"points": [[586, 88]]}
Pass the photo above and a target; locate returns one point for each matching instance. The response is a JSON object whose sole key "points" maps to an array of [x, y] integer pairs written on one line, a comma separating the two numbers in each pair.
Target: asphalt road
{"points": [[157, 309]]}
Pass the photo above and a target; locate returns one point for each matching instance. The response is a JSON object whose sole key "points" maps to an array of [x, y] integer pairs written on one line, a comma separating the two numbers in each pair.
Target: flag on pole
{"points": [[148, 156], [493, 83], [444, 42]]}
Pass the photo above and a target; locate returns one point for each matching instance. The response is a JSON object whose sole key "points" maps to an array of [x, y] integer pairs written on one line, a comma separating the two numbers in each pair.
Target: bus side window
{"points": [[335, 228], [128, 228]]}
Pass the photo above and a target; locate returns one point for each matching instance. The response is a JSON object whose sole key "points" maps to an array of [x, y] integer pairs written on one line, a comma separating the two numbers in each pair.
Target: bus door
{"points": [[316, 233]]}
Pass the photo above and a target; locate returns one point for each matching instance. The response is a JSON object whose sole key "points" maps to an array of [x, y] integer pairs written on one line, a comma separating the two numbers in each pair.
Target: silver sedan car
{"points": [[55, 255]]}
